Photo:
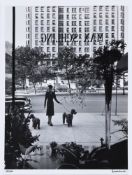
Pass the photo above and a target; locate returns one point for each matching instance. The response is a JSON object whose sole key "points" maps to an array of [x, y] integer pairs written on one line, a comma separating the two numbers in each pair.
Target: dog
{"points": [[35, 121], [69, 117]]}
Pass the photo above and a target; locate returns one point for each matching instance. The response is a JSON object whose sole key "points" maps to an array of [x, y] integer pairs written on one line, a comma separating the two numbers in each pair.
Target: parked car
{"points": [[20, 101]]}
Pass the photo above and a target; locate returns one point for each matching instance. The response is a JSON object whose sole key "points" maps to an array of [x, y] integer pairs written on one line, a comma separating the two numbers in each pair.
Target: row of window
{"points": [[86, 9], [74, 23], [73, 10], [42, 8], [86, 29]]}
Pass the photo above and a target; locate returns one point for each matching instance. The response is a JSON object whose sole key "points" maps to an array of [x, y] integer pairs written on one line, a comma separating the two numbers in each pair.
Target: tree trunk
{"points": [[34, 88], [107, 124], [68, 82]]}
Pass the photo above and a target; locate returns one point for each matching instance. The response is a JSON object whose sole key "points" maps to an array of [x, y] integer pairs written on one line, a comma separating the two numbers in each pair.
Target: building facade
{"points": [[83, 28]]}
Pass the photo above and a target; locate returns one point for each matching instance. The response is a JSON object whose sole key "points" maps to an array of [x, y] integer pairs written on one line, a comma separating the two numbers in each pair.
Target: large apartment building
{"points": [[84, 28]]}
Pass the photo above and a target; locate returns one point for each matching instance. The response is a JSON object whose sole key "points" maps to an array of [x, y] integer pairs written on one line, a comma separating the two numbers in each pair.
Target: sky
{"points": [[20, 25]]}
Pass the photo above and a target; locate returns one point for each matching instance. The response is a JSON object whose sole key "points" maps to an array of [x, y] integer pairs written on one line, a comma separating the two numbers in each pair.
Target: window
{"points": [[60, 23], [27, 36], [53, 49], [87, 43], [122, 14], [53, 15], [100, 8], [80, 16], [100, 28], [36, 15], [42, 15], [94, 28], [80, 10], [113, 28], [67, 30], [113, 21], [86, 16], [67, 16], [80, 43], [100, 22], [94, 22], [73, 10], [28, 22], [42, 29], [100, 15], [42, 9], [80, 49], [36, 42], [36, 36], [87, 29], [80, 23], [80, 29], [74, 30], [112, 35], [86, 23], [122, 35], [107, 22], [48, 9], [86, 10], [122, 8], [106, 35], [36, 9], [74, 23], [53, 9], [61, 17], [122, 28], [42, 22], [94, 49], [53, 29], [95, 15], [80, 36], [36, 22], [106, 28], [60, 30], [48, 49], [74, 43], [86, 49], [67, 10], [107, 8], [106, 42], [28, 9], [94, 8], [48, 22], [53, 22], [122, 21], [74, 16], [112, 15], [67, 23], [106, 15], [36, 29], [48, 29], [113, 8], [48, 15]]}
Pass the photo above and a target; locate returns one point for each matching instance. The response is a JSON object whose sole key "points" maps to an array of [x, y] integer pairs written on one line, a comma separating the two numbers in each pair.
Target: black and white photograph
{"points": [[66, 87]]}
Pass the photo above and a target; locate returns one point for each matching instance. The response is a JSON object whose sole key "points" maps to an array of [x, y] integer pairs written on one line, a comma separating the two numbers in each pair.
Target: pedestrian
{"points": [[49, 96]]}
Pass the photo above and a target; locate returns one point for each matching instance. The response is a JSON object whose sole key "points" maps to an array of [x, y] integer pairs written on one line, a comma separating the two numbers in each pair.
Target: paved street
{"points": [[85, 104]]}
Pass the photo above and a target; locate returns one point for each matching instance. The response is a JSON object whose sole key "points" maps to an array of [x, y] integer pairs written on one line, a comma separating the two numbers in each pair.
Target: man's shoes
{"points": [[48, 123]]}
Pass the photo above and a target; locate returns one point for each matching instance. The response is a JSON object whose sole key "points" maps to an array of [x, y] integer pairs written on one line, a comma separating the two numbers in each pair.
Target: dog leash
{"points": [[66, 108]]}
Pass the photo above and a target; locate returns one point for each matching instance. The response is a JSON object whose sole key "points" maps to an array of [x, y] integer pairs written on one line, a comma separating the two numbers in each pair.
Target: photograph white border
{"points": [[3, 4]]}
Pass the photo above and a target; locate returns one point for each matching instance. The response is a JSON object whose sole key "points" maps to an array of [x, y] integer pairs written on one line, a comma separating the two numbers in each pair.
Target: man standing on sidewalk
{"points": [[50, 95]]}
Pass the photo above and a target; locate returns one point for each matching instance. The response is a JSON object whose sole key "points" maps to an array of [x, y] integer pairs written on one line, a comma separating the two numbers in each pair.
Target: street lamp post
{"points": [[13, 58]]}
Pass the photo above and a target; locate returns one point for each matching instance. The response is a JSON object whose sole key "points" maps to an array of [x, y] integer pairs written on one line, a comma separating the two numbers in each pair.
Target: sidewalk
{"points": [[87, 130]]}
